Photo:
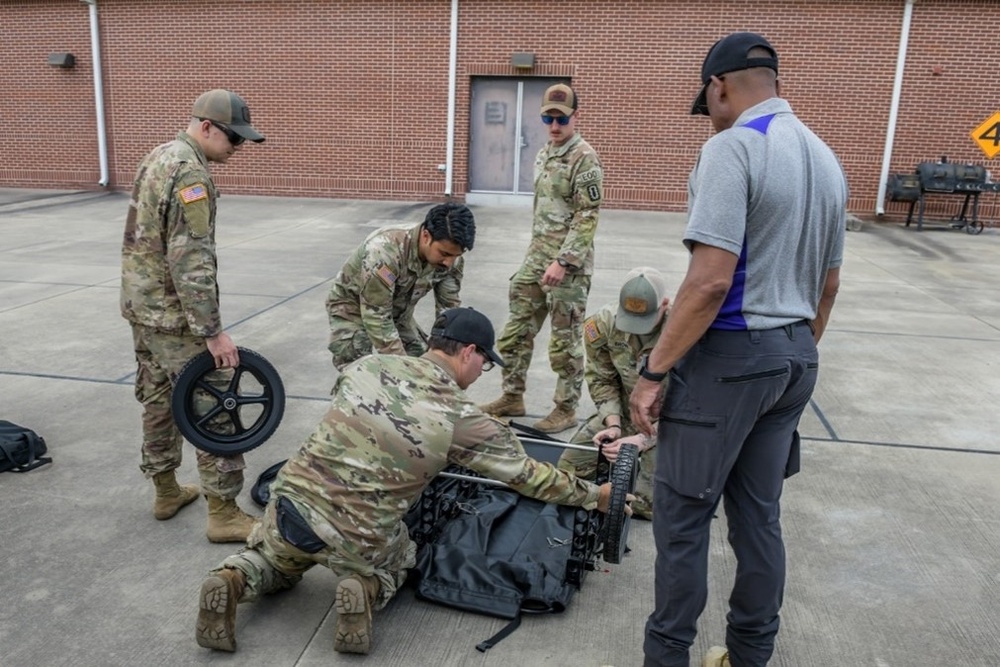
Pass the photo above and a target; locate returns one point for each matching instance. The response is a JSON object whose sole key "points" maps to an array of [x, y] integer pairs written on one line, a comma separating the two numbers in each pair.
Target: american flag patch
{"points": [[193, 193], [590, 331], [387, 276]]}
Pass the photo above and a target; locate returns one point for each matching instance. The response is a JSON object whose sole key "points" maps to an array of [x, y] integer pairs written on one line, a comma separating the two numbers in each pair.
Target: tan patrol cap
{"points": [[228, 108], [639, 300], [559, 97]]}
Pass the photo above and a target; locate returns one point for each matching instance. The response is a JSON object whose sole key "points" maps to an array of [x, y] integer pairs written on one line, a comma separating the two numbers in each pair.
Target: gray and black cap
{"points": [[229, 109], [729, 54]]}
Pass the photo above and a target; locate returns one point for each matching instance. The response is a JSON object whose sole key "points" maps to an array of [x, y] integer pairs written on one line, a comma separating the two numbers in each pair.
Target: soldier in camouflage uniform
{"points": [[394, 423], [170, 296], [615, 338], [554, 279], [373, 298]]}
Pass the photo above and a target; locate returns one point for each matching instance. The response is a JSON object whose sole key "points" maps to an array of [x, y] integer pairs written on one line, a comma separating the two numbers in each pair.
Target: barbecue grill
{"points": [[945, 178]]}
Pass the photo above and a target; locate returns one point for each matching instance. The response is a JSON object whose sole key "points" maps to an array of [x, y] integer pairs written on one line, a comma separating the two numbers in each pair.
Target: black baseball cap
{"points": [[729, 54], [468, 326], [228, 108]]}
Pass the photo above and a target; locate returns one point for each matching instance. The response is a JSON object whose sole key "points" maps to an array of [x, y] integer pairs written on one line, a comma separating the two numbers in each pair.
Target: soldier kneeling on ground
{"points": [[394, 423], [615, 339]]}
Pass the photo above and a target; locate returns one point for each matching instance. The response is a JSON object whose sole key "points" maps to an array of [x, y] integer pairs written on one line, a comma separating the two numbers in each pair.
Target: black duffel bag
{"points": [[21, 449]]}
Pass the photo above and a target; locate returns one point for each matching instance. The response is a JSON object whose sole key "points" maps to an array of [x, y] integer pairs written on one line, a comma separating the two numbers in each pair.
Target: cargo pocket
{"points": [[295, 530], [693, 445]]}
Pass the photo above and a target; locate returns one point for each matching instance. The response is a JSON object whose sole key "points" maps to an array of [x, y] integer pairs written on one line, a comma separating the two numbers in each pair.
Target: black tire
{"points": [[975, 227], [264, 407], [616, 523]]}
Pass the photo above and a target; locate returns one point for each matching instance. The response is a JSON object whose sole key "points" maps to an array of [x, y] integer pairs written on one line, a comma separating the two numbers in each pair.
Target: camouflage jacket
{"points": [[169, 262], [393, 424], [379, 286], [569, 188], [612, 366]]}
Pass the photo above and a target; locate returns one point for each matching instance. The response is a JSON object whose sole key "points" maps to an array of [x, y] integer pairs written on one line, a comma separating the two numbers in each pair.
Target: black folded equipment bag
{"points": [[495, 552], [492, 551], [21, 449]]}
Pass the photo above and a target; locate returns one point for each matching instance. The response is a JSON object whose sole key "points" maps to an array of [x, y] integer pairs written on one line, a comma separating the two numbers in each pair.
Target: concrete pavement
{"points": [[891, 527]]}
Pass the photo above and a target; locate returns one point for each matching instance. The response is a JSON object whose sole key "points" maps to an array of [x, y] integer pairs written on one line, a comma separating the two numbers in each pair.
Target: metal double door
{"points": [[505, 133]]}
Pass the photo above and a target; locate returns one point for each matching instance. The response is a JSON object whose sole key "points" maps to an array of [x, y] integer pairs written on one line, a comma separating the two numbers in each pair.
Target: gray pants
{"points": [[727, 430]]}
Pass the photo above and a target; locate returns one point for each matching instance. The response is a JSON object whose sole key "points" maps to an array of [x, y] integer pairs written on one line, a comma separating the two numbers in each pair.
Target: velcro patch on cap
{"points": [[590, 330], [193, 193], [635, 305], [557, 96], [387, 276]]}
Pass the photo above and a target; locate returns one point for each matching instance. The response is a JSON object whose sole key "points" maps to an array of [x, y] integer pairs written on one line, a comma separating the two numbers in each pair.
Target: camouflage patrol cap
{"points": [[228, 108], [468, 326], [559, 97], [639, 301]]}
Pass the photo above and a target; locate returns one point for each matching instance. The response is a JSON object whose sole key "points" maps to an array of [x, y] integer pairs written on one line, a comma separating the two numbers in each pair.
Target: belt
{"points": [[787, 330]]}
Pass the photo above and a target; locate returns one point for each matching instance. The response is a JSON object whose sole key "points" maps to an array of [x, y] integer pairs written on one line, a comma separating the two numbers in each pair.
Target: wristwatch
{"points": [[562, 262], [650, 375]]}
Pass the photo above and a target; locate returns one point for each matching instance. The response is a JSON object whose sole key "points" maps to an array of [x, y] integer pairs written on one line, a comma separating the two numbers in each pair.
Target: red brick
{"points": [[352, 94]]}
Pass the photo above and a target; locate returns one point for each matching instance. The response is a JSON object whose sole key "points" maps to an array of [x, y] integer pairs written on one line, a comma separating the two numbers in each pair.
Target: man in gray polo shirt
{"points": [[766, 220]]}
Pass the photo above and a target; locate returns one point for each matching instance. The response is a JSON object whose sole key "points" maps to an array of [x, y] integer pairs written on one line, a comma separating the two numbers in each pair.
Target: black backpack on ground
{"points": [[21, 449]]}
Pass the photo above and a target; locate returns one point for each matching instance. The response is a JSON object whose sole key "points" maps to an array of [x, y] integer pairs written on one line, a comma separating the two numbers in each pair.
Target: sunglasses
{"points": [[562, 120], [234, 139], [487, 362]]}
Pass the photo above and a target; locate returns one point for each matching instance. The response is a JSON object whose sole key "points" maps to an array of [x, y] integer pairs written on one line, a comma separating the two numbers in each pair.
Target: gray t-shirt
{"points": [[771, 192]]}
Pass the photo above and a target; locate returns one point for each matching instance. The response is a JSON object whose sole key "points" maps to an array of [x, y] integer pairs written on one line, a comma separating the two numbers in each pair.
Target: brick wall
{"points": [[353, 94]]}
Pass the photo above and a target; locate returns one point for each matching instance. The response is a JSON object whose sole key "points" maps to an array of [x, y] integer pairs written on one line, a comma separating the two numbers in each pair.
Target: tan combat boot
{"points": [[171, 496], [717, 656], [226, 521], [559, 419], [220, 592], [355, 597], [508, 405]]}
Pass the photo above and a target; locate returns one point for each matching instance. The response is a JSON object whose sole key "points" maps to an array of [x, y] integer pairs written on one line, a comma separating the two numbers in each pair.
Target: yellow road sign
{"points": [[987, 135]]}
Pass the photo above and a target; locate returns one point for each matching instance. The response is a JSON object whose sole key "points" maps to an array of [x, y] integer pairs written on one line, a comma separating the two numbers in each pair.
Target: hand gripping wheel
{"points": [[228, 411], [616, 523]]}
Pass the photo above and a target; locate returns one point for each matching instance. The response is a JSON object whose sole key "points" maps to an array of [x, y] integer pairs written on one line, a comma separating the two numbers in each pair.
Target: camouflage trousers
{"points": [[584, 464], [349, 342], [272, 564], [530, 304], [161, 357]]}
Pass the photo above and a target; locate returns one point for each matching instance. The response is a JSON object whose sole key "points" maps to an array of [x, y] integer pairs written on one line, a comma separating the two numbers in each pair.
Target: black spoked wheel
{"points": [[228, 411], [623, 475]]}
